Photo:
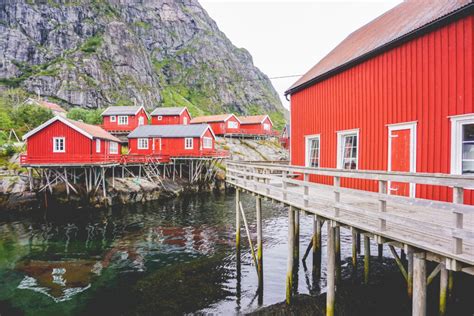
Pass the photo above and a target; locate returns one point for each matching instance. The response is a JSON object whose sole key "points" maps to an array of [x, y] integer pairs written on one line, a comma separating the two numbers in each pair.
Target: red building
{"points": [[195, 140], [221, 124], [395, 95], [64, 141], [124, 118], [170, 116], [256, 125]]}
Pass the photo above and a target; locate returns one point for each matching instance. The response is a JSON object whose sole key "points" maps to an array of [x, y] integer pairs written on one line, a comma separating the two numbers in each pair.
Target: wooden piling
{"points": [[317, 243], [297, 236], [410, 272], [258, 207], [366, 258], [291, 241], [337, 236], [331, 270], [354, 249], [237, 221], [419, 284], [443, 290]]}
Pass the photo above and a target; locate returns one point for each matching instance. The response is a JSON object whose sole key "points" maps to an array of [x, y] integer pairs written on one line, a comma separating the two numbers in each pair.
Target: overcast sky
{"points": [[289, 37]]}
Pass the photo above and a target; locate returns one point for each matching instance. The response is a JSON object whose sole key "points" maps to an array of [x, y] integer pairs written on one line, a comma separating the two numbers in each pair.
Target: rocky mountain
{"points": [[98, 53]]}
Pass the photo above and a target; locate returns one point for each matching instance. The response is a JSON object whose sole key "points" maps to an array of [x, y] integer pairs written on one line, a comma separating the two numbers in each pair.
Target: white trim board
{"points": [[457, 123]]}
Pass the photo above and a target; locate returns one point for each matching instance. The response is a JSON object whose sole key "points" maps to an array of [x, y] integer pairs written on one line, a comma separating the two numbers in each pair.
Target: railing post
{"points": [[306, 190], [382, 204], [458, 198], [284, 184], [267, 182], [337, 195]]}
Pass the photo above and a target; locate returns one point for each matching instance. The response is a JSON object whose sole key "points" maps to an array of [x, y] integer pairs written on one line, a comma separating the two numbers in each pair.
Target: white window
{"points": [[97, 145], [113, 148], [123, 120], [59, 145], [160, 117], [266, 126], [232, 124], [185, 121], [312, 151], [113, 118], [143, 143], [207, 142], [141, 120], [348, 149], [462, 144], [188, 143]]}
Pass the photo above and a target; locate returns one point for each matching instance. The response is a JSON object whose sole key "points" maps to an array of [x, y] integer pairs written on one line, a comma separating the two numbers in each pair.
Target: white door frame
{"points": [[411, 126]]}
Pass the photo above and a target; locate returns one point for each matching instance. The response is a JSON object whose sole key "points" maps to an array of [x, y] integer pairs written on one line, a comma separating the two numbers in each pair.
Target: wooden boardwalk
{"points": [[442, 232]]}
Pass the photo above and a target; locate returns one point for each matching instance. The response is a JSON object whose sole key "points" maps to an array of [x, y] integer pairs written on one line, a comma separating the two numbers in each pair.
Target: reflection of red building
{"points": [[124, 118], [170, 116], [395, 95]]}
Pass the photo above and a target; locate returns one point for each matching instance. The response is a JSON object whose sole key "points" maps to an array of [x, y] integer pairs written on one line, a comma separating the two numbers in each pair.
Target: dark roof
{"points": [[169, 131], [168, 111], [122, 110], [391, 28]]}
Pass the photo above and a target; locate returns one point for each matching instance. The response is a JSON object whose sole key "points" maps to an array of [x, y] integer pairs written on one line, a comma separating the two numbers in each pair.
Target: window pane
{"points": [[468, 151], [467, 167], [468, 133]]}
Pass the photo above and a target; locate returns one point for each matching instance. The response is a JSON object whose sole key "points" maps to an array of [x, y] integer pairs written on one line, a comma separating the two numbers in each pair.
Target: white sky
{"points": [[289, 37]]}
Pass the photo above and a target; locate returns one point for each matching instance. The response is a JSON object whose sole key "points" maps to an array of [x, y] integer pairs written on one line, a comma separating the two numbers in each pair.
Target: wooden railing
{"points": [[380, 213], [69, 159]]}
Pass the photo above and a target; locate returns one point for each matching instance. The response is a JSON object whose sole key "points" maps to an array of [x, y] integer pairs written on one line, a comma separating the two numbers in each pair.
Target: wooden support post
{"points": [[284, 184], [366, 259], [331, 271], [297, 236], [252, 249], [337, 195], [306, 190], [237, 220], [419, 284], [103, 183], [30, 179], [450, 283], [317, 247], [259, 243], [443, 290], [433, 274], [337, 236], [66, 181], [354, 249], [458, 198], [399, 262], [291, 241], [181, 170], [410, 272]]}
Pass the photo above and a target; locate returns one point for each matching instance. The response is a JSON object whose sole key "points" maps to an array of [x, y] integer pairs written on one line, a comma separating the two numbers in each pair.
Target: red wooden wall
{"points": [[257, 128], [220, 128], [171, 119], [424, 80], [132, 122]]}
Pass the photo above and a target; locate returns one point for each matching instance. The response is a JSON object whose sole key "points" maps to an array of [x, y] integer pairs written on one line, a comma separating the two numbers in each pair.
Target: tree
{"points": [[28, 116], [87, 116]]}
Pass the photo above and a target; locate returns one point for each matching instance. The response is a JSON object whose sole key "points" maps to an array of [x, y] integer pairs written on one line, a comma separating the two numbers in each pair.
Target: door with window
{"points": [[402, 149], [157, 145]]}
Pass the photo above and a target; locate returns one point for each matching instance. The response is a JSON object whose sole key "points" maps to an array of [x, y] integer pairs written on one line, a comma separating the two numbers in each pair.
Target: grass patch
{"points": [[92, 44]]}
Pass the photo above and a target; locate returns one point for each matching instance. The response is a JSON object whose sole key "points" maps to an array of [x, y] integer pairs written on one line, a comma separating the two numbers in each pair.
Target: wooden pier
{"points": [[423, 230]]}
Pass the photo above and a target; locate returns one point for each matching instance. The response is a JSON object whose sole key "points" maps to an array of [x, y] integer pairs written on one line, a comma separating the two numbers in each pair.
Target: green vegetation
{"points": [[278, 120], [87, 116], [143, 25], [91, 44]]}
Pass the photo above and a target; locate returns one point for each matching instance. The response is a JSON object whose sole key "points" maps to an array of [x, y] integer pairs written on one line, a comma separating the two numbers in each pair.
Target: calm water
{"points": [[160, 257]]}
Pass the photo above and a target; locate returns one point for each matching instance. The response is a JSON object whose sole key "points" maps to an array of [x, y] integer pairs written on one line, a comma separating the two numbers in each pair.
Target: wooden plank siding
{"points": [[425, 80]]}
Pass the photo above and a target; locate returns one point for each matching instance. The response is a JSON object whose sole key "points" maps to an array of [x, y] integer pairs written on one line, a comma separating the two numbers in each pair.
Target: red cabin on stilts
{"points": [[395, 95], [119, 119], [170, 116], [256, 125], [222, 124], [61, 141]]}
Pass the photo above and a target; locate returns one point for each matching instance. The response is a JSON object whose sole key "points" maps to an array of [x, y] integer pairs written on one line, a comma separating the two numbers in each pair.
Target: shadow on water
{"points": [[170, 257]]}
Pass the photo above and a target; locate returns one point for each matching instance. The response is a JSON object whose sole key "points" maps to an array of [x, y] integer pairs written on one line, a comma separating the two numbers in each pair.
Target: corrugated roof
{"points": [[121, 110], [252, 119], [168, 111], [211, 118], [168, 131], [94, 130], [393, 25]]}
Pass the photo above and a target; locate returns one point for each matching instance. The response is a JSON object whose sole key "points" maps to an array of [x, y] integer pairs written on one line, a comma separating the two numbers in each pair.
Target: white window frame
{"points": [[266, 126], [142, 143], [207, 145], [113, 118], [232, 124], [397, 127], [457, 123], [122, 120], [308, 139], [159, 117], [185, 120], [55, 139], [340, 136], [97, 145], [190, 145], [141, 120], [113, 148]]}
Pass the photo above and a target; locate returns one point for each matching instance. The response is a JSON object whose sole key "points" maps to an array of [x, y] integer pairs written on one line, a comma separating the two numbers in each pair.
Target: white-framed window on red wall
{"points": [[59, 145], [207, 142], [113, 148], [97, 145], [113, 118], [312, 150], [348, 149], [122, 120], [462, 144], [142, 143], [188, 143]]}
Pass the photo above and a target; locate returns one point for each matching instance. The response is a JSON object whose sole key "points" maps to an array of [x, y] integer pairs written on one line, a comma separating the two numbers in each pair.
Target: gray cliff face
{"points": [[153, 52]]}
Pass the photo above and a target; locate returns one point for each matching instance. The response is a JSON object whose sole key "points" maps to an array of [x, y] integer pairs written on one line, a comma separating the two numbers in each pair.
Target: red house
{"points": [[173, 140], [256, 125], [64, 141], [221, 124], [124, 118], [395, 95], [170, 116]]}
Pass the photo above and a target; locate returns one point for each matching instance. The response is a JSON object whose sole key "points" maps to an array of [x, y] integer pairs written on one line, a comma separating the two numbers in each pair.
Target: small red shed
{"points": [[395, 95], [64, 141], [256, 125], [173, 140], [124, 118], [221, 124], [170, 116]]}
